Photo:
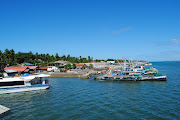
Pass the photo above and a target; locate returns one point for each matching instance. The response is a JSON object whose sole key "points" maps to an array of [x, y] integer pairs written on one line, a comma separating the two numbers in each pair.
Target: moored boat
{"points": [[23, 83], [136, 77], [156, 77]]}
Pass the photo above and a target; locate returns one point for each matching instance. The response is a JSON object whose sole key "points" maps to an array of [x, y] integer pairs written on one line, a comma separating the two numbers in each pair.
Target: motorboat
{"points": [[23, 83]]}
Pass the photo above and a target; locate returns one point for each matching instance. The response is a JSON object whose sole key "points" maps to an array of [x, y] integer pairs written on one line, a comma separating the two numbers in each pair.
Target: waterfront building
{"points": [[79, 65], [59, 63], [41, 69]]}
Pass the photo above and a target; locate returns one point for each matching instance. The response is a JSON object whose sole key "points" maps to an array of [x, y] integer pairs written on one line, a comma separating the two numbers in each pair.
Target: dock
{"points": [[3, 109]]}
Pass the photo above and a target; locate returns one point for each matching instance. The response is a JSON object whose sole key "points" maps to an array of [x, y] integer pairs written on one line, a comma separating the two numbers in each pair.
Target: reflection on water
{"points": [[73, 98]]}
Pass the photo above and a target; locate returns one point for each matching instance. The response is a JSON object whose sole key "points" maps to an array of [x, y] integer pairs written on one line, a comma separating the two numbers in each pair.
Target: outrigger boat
{"points": [[156, 77], [130, 71], [23, 83]]}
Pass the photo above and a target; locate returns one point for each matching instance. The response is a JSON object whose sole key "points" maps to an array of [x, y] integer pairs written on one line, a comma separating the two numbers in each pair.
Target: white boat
{"points": [[161, 77], [23, 83]]}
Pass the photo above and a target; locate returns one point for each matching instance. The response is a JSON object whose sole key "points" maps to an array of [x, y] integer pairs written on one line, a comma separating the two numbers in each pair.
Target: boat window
{"points": [[13, 83]]}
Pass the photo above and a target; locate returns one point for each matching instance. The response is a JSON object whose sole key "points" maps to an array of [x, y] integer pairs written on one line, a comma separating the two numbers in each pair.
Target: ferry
{"points": [[23, 83]]}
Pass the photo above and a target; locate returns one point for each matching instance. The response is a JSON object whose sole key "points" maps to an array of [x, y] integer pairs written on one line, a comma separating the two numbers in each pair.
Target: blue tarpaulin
{"points": [[137, 74], [24, 75]]}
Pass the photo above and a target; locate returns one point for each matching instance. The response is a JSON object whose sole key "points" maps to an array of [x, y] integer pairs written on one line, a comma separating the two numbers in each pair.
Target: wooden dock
{"points": [[3, 109]]}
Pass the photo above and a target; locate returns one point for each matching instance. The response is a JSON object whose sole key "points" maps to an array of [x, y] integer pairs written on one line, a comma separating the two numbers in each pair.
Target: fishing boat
{"points": [[156, 77], [133, 78], [131, 71], [23, 83], [136, 77]]}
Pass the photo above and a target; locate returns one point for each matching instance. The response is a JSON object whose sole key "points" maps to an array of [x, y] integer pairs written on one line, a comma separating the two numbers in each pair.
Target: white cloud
{"points": [[175, 41]]}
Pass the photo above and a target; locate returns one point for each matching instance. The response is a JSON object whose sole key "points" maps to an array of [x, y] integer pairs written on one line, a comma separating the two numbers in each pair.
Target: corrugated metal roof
{"points": [[42, 68], [80, 64], [20, 68], [10, 71], [28, 64], [32, 67]]}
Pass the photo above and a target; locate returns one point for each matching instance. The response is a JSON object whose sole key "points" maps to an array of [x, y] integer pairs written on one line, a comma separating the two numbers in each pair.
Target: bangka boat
{"points": [[154, 77], [136, 77]]}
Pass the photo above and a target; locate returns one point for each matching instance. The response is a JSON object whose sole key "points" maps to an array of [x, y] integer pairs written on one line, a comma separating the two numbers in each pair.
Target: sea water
{"points": [[74, 98]]}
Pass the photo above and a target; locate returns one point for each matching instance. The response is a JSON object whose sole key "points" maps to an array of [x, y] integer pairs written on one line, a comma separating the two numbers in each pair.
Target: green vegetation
{"points": [[12, 58], [68, 66]]}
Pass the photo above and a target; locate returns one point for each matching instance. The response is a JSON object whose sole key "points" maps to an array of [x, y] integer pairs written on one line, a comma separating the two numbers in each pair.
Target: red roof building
{"points": [[42, 68], [80, 64], [19, 69]]}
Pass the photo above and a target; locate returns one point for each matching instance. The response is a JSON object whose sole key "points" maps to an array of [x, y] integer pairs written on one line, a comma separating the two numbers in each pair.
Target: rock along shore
{"points": [[84, 74], [64, 75]]}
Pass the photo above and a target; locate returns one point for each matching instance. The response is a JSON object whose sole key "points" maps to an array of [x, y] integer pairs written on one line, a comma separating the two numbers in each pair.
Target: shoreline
{"points": [[74, 74], [64, 75]]}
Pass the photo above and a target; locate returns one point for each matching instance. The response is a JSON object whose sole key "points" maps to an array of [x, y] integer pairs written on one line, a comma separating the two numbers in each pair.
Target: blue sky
{"points": [[142, 29]]}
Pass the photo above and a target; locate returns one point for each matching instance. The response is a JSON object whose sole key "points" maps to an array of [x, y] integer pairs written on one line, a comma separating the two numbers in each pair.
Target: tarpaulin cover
{"points": [[24, 75]]}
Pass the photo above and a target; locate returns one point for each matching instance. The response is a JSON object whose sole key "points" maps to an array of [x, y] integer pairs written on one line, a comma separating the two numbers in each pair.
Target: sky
{"points": [[141, 29]]}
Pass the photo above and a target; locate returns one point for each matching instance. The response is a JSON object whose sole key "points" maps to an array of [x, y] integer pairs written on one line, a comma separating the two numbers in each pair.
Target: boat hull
{"points": [[16, 89], [158, 78]]}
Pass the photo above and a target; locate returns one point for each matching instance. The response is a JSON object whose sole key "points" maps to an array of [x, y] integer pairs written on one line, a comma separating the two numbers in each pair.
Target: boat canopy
{"points": [[41, 75]]}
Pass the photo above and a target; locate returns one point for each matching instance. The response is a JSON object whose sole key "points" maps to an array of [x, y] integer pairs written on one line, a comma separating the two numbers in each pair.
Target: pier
{"points": [[3, 109]]}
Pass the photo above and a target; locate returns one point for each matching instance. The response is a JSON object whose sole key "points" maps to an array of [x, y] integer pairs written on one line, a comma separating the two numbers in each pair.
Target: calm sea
{"points": [[73, 98]]}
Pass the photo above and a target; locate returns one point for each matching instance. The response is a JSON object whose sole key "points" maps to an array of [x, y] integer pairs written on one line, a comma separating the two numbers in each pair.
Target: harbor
{"points": [[89, 60], [75, 98], [131, 71]]}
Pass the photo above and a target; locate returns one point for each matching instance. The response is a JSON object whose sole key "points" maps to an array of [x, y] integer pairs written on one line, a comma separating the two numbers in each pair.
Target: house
{"points": [[41, 69], [59, 63], [56, 64], [80, 65], [19, 69], [32, 69], [10, 73], [52, 69], [98, 65], [63, 63]]}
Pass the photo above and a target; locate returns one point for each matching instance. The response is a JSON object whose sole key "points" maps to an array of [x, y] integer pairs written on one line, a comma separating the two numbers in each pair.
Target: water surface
{"points": [[73, 98]]}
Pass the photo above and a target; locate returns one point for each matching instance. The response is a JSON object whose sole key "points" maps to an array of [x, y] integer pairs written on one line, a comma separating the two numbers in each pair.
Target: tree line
{"points": [[12, 58]]}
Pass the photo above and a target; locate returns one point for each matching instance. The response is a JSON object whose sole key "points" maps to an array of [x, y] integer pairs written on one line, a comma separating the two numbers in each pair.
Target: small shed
{"points": [[11, 72]]}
